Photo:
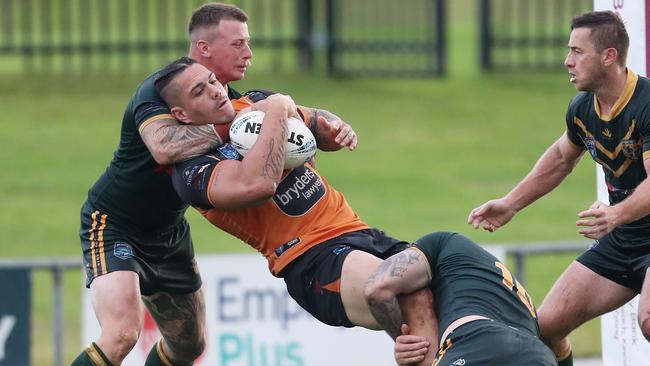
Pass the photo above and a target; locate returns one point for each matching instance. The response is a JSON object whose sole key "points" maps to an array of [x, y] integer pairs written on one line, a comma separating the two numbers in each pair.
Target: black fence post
{"points": [[305, 21], [441, 27], [486, 34], [330, 17]]}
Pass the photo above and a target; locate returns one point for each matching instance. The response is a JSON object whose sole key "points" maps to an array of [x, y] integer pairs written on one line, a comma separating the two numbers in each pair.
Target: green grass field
{"points": [[429, 151]]}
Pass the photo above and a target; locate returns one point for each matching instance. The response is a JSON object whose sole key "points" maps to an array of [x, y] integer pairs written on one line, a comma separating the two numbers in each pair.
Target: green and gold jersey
{"points": [[619, 142], [135, 191], [467, 280]]}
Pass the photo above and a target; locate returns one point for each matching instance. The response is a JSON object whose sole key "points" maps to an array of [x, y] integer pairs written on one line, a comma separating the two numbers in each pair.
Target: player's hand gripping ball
{"points": [[301, 144]]}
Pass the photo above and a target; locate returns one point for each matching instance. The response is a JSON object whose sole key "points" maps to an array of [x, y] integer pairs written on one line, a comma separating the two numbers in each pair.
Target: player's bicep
{"points": [[569, 152], [154, 133]]}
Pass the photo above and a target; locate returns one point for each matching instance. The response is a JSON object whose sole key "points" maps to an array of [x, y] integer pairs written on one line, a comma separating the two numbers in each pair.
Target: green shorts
{"points": [[164, 261], [491, 343], [617, 261]]}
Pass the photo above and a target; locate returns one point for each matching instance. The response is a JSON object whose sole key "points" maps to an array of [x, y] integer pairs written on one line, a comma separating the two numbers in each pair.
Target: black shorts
{"points": [[313, 279], [164, 261], [491, 343], [623, 264]]}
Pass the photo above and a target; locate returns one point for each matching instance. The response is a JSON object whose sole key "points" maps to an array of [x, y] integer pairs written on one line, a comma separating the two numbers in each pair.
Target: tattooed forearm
{"points": [[274, 163], [400, 274], [171, 143], [388, 315]]}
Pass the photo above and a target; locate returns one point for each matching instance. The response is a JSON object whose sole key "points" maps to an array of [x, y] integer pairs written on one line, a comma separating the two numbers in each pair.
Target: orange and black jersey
{"points": [[304, 211], [619, 142], [135, 191]]}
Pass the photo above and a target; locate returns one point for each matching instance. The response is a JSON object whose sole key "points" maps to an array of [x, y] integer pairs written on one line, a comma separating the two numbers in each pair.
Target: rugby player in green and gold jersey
{"points": [[485, 315], [609, 119], [135, 240]]}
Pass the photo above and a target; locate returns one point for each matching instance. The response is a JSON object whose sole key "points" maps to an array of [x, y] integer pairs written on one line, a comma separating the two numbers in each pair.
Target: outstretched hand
{"points": [[598, 220], [491, 215], [410, 349]]}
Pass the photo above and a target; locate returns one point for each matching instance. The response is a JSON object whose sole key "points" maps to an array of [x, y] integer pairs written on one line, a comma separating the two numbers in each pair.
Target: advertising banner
{"points": [[15, 310], [252, 321]]}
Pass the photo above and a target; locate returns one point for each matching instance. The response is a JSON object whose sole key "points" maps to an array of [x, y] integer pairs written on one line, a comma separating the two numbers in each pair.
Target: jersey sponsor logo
{"points": [[122, 250], [459, 362], [286, 246], [299, 191]]}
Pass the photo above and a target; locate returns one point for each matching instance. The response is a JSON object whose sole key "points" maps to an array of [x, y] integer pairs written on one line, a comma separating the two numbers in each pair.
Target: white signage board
{"points": [[252, 321], [622, 341]]}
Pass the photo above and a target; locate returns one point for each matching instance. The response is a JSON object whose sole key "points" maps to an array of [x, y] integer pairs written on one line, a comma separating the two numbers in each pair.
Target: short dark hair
{"points": [[164, 77], [212, 13], [607, 31]]}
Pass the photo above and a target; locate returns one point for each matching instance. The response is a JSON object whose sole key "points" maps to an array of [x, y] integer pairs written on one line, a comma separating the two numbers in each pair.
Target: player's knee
{"points": [[124, 339], [420, 298]]}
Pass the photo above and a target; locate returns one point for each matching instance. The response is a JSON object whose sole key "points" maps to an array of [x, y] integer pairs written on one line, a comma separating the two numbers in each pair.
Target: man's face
{"points": [[231, 52], [202, 97], [584, 62]]}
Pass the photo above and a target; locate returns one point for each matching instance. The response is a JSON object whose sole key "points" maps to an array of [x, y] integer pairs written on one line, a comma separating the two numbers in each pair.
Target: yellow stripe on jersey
{"points": [[628, 91], [599, 146], [100, 237], [618, 172], [154, 119], [441, 352], [92, 241]]}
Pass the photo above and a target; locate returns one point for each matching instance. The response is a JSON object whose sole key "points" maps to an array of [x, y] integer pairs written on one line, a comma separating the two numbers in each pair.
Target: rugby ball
{"points": [[301, 144]]}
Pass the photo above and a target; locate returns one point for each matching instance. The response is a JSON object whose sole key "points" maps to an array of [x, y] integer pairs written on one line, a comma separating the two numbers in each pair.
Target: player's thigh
{"points": [[115, 297], [578, 296], [357, 267], [180, 317]]}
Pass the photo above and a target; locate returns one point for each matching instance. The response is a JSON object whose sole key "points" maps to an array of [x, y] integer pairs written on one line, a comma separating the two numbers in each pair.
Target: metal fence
{"points": [[127, 35], [56, 266], [121, 36], [386, 37], [526, 34]]}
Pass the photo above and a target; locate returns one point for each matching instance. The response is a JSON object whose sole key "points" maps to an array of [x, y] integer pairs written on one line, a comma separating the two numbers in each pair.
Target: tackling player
{"points": [[135, 240], [485, 315]]}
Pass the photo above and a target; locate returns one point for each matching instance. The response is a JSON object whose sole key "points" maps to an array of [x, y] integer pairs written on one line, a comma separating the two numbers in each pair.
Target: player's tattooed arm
{"points": [[170, 142], [402, 273], [330, 131], [180, 318], [277, 149]]}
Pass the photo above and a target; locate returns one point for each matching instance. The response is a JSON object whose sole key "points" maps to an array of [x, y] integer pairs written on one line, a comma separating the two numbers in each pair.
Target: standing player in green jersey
{"points": [[610, 119], [136, 242], [485, 315]]}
